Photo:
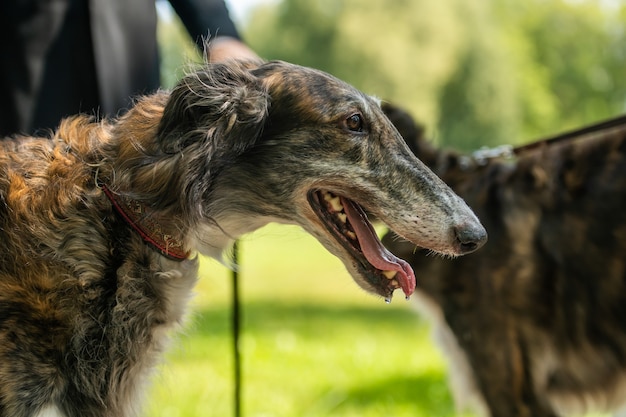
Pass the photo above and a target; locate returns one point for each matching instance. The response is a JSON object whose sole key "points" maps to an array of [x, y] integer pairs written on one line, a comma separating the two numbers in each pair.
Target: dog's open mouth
{"points": [[348, 224]]}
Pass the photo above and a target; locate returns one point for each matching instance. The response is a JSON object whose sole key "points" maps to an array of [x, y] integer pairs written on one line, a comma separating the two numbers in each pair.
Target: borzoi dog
{"points": [[534, 324], [100, 226]]}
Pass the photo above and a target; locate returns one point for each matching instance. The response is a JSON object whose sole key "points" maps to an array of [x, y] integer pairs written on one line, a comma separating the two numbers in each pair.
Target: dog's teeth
{"points": [[388, 300], [351, 234], [390, 274], [334, 201], [343, 217]]}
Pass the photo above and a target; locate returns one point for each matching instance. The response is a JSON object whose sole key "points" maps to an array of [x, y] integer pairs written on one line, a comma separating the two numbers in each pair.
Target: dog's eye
{"points": [[355, 123]]}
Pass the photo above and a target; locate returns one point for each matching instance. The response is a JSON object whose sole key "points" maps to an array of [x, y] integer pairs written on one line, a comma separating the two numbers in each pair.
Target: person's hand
{"points": [[224, 48]]}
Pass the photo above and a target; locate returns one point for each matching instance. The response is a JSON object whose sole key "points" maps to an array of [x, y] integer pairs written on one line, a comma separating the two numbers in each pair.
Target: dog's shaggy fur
{"points": [[87, 301], [534, 324]]}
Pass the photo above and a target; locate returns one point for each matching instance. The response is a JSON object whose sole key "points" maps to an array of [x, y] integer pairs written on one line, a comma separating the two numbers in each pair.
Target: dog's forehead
{"points": [[305, 86]]}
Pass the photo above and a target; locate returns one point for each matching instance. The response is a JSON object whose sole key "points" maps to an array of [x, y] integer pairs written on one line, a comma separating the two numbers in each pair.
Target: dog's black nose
{"points": [[470, 237]]}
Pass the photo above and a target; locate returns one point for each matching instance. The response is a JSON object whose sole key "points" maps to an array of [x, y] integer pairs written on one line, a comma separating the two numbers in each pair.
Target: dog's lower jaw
{"points": [[343, 228]]}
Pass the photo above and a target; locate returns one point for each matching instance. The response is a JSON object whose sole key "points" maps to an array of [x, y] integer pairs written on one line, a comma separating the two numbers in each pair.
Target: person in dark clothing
{"points": [[63, 57]]}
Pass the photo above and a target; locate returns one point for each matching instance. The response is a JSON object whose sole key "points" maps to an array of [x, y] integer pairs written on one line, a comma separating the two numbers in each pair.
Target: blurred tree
{"points": [[476, 73], [479, 102], [577, 52], [402, 50]]}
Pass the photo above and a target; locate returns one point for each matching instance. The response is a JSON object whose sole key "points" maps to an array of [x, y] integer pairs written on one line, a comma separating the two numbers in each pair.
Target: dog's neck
{"points": [[153, 231]]}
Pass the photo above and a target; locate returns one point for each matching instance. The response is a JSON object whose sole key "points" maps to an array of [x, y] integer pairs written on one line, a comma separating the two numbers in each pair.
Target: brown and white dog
{"points": [[100, 225], [534, 324]]}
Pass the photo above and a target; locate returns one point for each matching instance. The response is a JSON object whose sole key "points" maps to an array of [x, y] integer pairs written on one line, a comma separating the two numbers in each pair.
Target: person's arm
{"points": [[206, 19]]}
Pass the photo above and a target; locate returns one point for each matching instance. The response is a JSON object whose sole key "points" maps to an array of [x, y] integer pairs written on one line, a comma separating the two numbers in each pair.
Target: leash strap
{"points": [[236, 327], [482, 156], [617, 122]]}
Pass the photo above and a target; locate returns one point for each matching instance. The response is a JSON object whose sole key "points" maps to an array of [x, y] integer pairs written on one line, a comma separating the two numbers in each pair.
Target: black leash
{"points": [[483, 155], [236, 324], [616, 122]]}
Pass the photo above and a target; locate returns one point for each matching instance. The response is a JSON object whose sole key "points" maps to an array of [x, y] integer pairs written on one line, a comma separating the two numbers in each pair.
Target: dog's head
{"points": [[280, 142]]}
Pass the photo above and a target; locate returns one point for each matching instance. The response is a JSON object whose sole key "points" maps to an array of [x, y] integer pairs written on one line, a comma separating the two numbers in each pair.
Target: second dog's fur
{"points": [[534, 324], [99, 226]]}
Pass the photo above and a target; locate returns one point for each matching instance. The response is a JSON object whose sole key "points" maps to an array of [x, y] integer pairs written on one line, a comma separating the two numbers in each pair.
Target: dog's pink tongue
{"points": [[374, 250]]}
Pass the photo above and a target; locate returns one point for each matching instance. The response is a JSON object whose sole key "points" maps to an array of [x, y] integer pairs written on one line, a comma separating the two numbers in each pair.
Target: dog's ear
{"points": [[223, 106]]}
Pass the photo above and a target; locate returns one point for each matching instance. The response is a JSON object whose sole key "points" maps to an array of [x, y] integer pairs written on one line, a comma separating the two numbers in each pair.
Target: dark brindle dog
{"points": [[534, 324], [99, 226]]}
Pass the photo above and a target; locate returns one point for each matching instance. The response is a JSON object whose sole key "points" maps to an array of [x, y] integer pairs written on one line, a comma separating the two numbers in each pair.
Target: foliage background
{"points": [[475, 73]]}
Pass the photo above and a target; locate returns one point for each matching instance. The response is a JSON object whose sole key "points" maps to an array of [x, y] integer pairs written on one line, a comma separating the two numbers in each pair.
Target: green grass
{"points": [[313, 343]]}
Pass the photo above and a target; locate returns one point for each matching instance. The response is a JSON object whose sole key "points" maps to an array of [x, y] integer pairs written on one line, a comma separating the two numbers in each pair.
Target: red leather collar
{"points": [[140, 217]]}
